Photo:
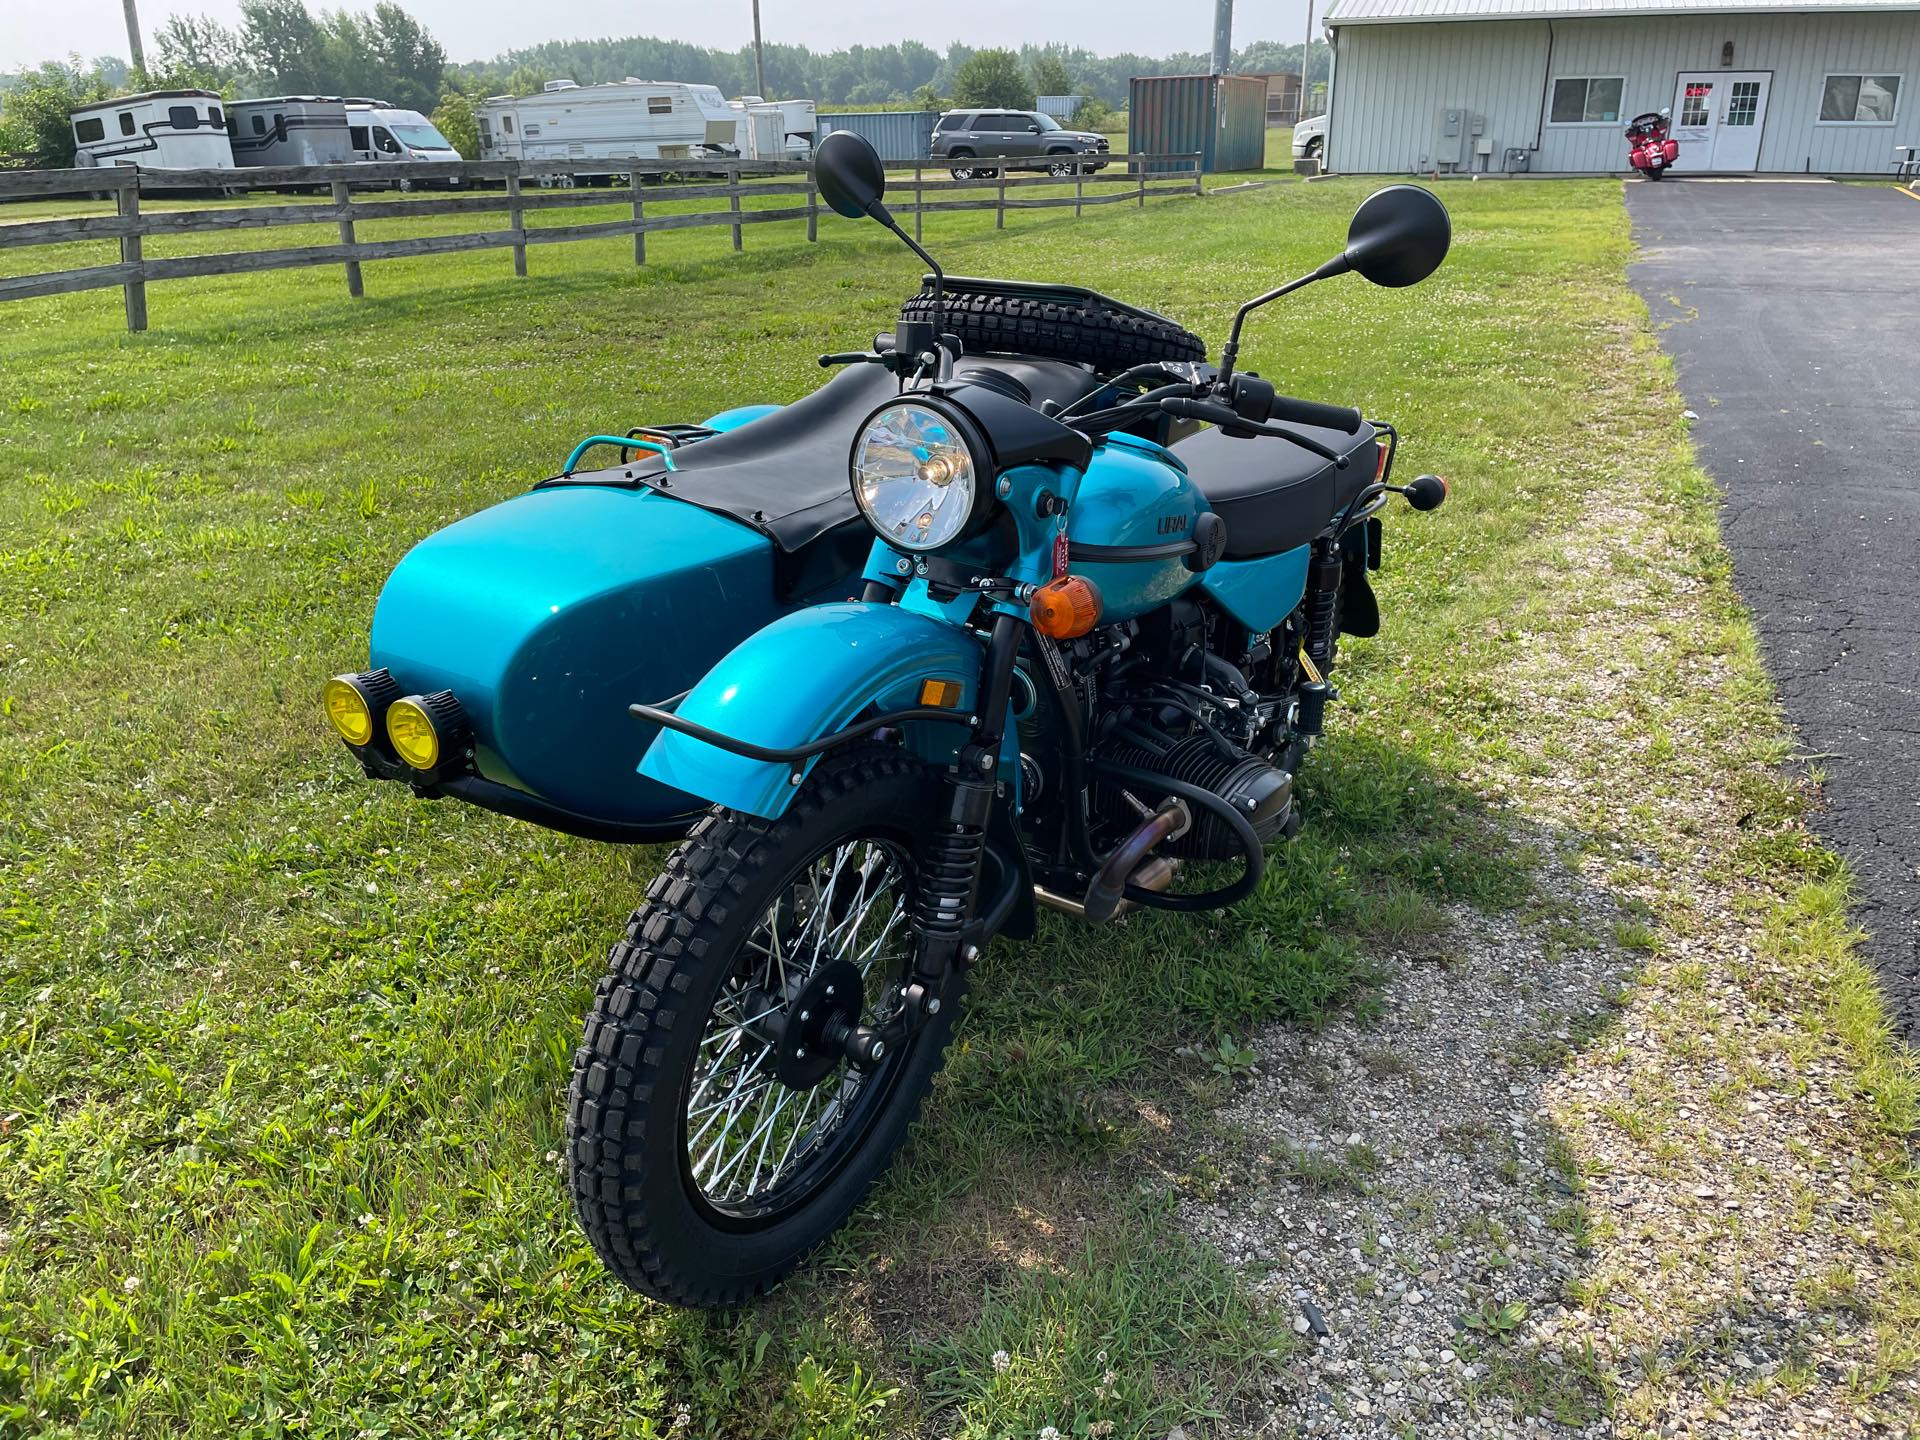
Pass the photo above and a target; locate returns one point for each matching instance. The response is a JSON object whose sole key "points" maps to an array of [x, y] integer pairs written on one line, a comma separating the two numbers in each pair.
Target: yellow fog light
{"points": [[410, 728], [427, 730], [354, 704], [348, 711]]}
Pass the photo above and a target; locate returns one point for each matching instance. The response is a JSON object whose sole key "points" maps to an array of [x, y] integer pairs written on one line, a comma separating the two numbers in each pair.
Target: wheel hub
{"points": [[812, 1035]]}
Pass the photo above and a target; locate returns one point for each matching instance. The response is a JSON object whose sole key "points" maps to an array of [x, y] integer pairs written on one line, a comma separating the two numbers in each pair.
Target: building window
{"points": [[1586, 102], [126, 122], [1859, 99], [89, 130], [659, 104]]}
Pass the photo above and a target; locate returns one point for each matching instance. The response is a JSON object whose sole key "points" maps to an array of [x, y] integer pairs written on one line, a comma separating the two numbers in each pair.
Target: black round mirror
{"points": [[849, 173], [1399, 236]]}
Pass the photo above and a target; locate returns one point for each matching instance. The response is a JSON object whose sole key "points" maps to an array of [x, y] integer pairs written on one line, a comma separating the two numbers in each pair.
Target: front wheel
{"points": [[714, 1137]]}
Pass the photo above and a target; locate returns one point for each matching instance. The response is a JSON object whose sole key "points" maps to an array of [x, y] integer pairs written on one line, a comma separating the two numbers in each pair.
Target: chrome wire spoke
{"points": [[747, 1130]]}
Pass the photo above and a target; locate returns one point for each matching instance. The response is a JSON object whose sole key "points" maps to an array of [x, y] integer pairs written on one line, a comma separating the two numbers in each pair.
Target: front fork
{"points": [[946, 929]]}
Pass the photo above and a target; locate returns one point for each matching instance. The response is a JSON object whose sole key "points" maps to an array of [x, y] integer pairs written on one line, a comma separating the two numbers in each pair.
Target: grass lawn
{"points": [[284, 1052]]}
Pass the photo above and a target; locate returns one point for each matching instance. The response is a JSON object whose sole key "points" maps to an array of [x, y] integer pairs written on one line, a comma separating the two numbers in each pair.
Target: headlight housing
{"points": [[921, 473]]}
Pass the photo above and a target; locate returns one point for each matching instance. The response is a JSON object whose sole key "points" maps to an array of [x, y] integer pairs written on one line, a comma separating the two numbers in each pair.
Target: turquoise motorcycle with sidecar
{"points": [[1029, 605]]}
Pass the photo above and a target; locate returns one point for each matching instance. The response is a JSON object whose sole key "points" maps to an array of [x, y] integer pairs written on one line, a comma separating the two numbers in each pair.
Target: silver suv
{"points": [[963, 134]]}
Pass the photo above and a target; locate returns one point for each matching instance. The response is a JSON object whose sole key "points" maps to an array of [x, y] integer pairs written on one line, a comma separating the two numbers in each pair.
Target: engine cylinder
{"points": [[1260, 791]]}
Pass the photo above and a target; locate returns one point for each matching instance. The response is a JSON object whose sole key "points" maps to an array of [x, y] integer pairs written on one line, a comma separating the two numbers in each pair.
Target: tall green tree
{"points": [[286, 47], [410, 61], [1050, 76], [36, 128], [993, 78], [193, 50], [455, 118]]}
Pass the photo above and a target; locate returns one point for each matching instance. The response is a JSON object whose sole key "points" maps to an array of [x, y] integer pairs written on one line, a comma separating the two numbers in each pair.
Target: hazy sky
{"points": [[36, 30]]}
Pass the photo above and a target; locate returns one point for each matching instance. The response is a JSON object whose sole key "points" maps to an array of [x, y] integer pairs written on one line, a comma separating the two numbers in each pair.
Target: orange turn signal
{"points": [[1067, 608]]}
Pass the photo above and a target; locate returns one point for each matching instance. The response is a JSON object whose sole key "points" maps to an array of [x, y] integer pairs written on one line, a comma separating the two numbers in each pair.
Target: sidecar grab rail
{"points": [[796, 755], [625, 442]]}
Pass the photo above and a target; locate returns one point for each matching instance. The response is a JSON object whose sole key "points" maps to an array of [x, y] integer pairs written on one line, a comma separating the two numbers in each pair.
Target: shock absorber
{"points": [[1323, 602], [951, 873]]}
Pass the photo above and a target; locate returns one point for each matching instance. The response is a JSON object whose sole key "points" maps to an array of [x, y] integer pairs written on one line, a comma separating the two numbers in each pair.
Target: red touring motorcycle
{"points": [[1650, 147], [1099, 585]]}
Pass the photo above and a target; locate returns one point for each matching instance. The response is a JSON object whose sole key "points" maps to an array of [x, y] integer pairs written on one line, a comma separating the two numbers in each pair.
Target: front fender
{"points": [[805, 675]]}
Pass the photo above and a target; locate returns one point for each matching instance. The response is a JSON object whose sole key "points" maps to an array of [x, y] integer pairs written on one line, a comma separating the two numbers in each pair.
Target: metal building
{"points": [[901, 136], [1222, 118], [1797, 86]]}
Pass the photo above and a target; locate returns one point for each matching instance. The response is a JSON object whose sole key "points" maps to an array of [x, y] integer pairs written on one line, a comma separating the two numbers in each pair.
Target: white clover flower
{"points": [[1002, 1362]]}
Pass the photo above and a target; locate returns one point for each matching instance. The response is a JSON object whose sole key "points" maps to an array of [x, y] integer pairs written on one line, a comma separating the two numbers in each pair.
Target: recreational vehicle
{"points": [[756, 130], [603, 128], [797, 123], [289, 130], [378, 132], [155, 130]]}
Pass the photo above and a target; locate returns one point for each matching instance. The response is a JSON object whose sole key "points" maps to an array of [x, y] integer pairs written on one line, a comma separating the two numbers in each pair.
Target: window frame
{"points": [[184, 117], [98, 124], [1587, 80], [659, 104], [127, 125], [1862, 76]]}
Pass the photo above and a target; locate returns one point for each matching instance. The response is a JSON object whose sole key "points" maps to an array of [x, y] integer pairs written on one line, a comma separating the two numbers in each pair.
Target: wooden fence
{"points": [[1126, 178]]}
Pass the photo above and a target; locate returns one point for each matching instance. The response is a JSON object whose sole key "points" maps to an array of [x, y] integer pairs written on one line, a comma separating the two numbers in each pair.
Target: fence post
{"points": [[1079, 189], [1000, 198], [919, 202], [343, 199], [1141, 202], [813, 211], [733, 184], [516, 221], [1196, 175], [126, 202], [639, 219]]}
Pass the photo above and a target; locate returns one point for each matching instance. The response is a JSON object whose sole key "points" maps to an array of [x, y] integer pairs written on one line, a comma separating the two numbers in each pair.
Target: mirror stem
{"points": [[1231, 350], [885, 216]]}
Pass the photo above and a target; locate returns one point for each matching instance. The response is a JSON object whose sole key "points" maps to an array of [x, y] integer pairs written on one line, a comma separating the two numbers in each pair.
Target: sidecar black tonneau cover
{"points": [[785, 474]]}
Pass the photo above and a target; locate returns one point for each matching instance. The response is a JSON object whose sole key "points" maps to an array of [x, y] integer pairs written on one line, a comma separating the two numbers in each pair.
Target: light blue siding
{"points": [[1392, 80]]}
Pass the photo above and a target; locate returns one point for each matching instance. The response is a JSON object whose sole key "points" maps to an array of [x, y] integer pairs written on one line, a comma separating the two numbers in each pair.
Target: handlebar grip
{"points": [[1311, 412]]}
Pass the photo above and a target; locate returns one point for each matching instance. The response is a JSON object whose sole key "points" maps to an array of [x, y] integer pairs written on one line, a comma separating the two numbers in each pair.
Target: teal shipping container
{"points": [[1222, 118]]}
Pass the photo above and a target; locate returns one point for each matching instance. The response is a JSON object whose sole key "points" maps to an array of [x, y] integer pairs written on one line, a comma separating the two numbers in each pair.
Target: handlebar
{"points": [[1312, 412], [1227, 418]]}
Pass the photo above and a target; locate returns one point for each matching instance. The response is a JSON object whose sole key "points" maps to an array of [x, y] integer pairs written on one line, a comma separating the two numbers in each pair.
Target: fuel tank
{"points": [[1130, 526], [548, 614]]}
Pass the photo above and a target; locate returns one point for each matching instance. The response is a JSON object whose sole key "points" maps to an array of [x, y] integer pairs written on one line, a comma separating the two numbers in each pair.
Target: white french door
{"points": [[1717, 118]]}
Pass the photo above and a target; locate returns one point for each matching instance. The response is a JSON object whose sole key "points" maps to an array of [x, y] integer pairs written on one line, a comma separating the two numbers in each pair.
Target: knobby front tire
{"points": [[701, 1178]]}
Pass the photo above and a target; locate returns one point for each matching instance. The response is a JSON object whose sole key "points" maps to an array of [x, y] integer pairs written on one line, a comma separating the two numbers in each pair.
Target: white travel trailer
{"points": [[377, 132], [776, 129], [155, 130], [597, 126], [799, 122], [289, 130], [756, 131]]}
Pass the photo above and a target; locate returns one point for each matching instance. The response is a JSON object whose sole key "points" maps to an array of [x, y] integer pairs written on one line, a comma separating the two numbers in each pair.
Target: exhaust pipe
{"points": [[1155, 873]]}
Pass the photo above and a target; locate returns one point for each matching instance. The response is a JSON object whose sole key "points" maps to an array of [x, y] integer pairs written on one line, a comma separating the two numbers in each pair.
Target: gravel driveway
{"points": [[1793, 312]]}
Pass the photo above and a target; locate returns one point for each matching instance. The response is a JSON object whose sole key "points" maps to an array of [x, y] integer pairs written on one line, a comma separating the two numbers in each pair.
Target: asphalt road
{"points": [[1797, 336]]}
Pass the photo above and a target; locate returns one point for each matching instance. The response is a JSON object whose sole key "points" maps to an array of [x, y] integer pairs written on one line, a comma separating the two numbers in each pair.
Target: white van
{"points": [[597, 126], [289, 130], [155, 130], [377, 132]]}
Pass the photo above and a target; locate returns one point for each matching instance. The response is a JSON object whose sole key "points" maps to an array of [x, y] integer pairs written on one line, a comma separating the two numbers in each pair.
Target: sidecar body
{"points": [[546, 615]]}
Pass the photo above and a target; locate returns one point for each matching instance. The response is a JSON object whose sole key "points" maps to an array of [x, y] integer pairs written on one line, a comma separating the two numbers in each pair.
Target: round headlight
{"points": [[348, 710], [917, 475]]}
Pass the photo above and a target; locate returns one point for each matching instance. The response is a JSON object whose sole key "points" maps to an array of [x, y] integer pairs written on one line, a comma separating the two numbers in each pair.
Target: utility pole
{"points": [[138, 53], [1306, 55], [1222, 36], [759, 60]]}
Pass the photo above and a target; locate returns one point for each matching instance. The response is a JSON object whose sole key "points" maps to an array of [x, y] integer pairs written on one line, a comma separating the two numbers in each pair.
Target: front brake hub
{"points": [[811, 1042]]}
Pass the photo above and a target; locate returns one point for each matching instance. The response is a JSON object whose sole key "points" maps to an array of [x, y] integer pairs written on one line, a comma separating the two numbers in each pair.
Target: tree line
{"points": [[282, 47]]}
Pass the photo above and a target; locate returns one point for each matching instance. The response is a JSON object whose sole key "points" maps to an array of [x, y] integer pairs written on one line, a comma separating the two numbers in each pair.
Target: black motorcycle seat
{"points": [[1273, 494], [785, 474]]}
